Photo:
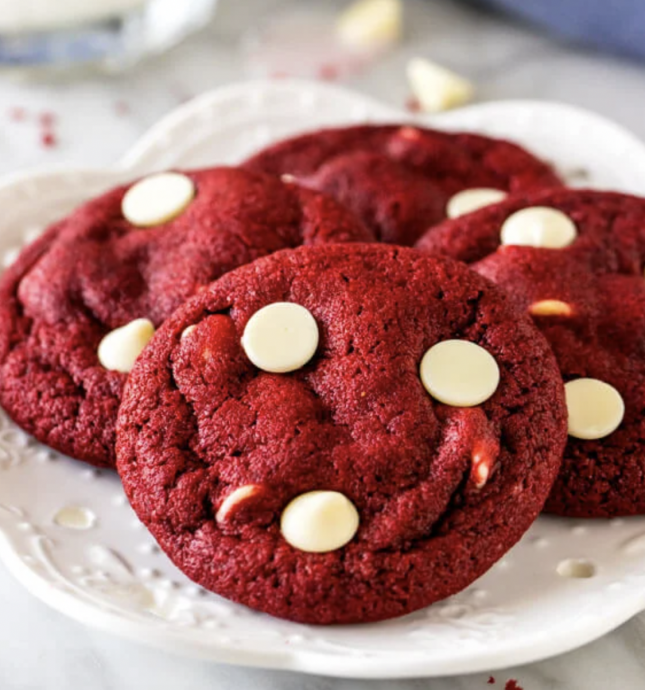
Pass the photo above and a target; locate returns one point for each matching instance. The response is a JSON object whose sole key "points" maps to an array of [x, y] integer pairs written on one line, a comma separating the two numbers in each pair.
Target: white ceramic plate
{"points": [[107, 572]]}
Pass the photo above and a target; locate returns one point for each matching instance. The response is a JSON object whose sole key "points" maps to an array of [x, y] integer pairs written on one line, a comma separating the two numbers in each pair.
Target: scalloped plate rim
{"points": [[304, 662]]}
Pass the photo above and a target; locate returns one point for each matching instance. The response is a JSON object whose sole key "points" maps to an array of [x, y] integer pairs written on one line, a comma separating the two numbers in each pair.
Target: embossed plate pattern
{"points": [[96, 562]]}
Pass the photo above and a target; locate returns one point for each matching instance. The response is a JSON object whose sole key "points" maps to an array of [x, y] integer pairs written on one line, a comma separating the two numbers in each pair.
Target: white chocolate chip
{"points": [[319, 521], [235, 499], [280, 337], [595, 408], [481, 468], [187, 331], [157, 199], [470, 200], [459, 373], [481, 476], [437, 88], [371, 24], [551, 307], [120, 348], [539, 226]]}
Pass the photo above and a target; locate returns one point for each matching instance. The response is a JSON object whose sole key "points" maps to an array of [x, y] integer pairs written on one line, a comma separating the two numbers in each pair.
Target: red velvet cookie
{"points": [[96, 271], [580, 274], [400, 180], [283, 440]]}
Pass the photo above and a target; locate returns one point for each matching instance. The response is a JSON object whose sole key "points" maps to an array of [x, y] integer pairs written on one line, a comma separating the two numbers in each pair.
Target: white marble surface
{"points": [[97, 119]]}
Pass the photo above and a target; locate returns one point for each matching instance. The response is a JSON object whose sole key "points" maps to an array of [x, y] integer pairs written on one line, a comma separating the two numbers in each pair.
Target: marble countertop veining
{"points": [[95, 120]]}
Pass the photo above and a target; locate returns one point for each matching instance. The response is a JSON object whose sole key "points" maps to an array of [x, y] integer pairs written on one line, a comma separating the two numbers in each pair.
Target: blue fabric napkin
{"points": [[617, 25]]}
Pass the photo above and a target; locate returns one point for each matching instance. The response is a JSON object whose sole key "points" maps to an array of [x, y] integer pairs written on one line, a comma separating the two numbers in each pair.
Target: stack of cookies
{"points": [[340, 381]]}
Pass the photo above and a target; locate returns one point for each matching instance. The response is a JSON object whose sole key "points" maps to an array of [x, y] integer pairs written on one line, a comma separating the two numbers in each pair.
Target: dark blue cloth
{"points": [[617, 25]]}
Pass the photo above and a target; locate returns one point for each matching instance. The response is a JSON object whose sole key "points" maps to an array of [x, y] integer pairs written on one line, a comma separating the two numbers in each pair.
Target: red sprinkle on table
{"points": [[48, 139], [413, 105], [512, 685], [17, 114], [491, 680], [47, 119], [328, 72]]}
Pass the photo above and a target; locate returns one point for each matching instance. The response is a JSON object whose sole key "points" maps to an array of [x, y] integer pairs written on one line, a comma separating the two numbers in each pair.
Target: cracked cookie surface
{"points": [[212, 450], [399, 179], [94, 272]]}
